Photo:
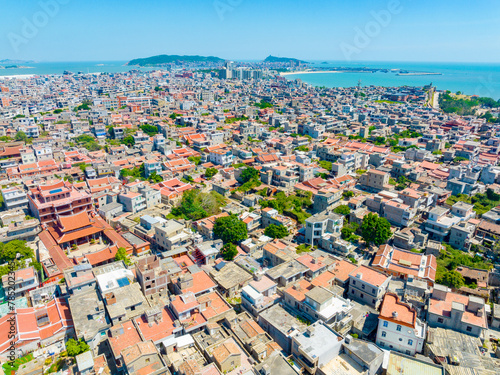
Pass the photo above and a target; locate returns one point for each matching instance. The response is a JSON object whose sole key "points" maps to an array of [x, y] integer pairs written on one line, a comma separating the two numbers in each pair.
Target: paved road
{"points": [[435, 103]]}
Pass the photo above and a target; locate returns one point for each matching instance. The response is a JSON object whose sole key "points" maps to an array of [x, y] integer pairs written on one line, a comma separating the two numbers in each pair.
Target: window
{"points": [[410, 342], [361, 295], [440, 320], [386, 323], [363, 286], [373, 290], [398, 328], [382, 344], [469, 328], [408, 352], [384, 333], [354, 282]]}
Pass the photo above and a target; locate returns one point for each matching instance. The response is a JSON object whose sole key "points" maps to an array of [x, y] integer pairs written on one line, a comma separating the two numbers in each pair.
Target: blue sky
{"points": [[76, 30]]}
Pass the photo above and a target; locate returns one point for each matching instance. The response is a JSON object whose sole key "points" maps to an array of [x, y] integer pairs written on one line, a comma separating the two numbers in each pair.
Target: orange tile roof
{"points": [[370, 276], [443, 308], [299, 289], [158, 331], [129, 337], [393, 310]]}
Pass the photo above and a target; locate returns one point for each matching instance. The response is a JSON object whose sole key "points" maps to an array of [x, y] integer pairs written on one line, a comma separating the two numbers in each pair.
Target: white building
{"points": [[399, 328], [221, 157], [43, 152], [14, 197]]}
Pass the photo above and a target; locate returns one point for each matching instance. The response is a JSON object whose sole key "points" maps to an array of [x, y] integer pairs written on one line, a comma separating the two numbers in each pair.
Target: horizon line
{"points": [[35, 61]]}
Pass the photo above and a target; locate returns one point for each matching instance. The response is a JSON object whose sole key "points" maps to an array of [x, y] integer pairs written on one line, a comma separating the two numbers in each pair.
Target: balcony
{"points": [[305, 362], [140, 207]]}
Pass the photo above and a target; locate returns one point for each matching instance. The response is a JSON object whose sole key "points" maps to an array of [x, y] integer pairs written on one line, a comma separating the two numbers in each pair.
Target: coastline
{"points": [[17, 76], [310, 72]]}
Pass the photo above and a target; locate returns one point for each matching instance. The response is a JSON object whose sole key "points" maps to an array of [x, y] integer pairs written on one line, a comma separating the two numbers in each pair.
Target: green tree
{"points": [[155, 178], [375, 229], [402, 183], [453, 279], [121, 254], [346, 233], [74, 347], [302, 148], [230, 229], [196, 205], [248, 174], [149, 129], [348, 194], [491, 195], [21, 136], [210, 172], [325, 164], [229, 251], [342, 210], [276, 231], [16, 253], [195, 159], [128, 141]]}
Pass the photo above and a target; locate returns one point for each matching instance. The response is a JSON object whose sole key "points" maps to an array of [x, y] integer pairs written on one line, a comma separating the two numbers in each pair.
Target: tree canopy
{"points": [[325, 164], [121, 254], [276, 231], [87, 141], [155, 178], [348, 194], [196, 205], [74, 347], [149, 129], [453, 279], [21, 136], [248, 174], [128, 141], [8, 254], [230, 229], [229, 251], [294, 204], [210, 172], [465, 106], [342, 210], [375, 229]]}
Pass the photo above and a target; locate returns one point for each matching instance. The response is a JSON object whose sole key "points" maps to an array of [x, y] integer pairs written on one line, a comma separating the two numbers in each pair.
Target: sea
{"points": [[43, 68], [482, 79], [469, 78]]}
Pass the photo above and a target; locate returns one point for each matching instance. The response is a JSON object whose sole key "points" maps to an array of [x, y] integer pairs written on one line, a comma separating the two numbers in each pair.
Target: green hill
{"points": [[167, 59], [274, 59]]}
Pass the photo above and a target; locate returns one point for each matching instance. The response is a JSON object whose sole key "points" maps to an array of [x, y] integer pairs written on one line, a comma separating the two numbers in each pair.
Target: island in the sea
{"points": [[15, 62], [174, 59], [289, 60], [16, 67]]}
